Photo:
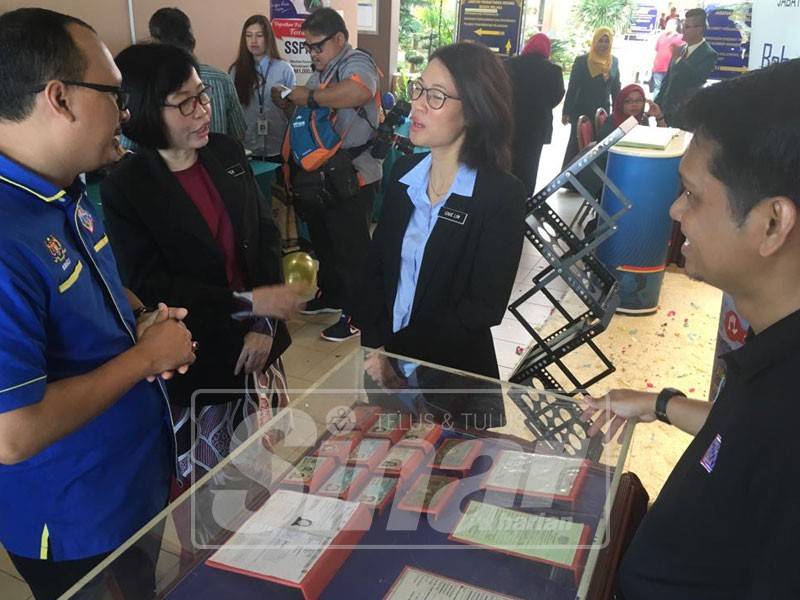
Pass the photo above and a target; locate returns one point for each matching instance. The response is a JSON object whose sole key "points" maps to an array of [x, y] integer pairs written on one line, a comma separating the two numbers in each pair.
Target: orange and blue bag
{"points": [[313, 140]]}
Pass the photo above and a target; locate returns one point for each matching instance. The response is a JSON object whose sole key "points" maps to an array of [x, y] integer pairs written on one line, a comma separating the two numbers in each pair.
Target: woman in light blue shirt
{"points": [[444, 255], [256, 71]]}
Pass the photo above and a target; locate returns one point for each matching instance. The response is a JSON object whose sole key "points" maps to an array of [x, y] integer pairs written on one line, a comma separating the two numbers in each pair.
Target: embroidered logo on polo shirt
{"points": [[86, 219], [710, 457], [456, 216], [56, 248]]}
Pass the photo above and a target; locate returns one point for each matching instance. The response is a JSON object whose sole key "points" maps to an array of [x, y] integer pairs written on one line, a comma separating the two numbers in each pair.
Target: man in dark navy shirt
{"points": [[86, 449], [727, 522]]}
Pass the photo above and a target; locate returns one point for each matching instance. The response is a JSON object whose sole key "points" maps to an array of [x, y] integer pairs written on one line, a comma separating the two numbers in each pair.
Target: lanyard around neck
{"points": [[260, 89]]}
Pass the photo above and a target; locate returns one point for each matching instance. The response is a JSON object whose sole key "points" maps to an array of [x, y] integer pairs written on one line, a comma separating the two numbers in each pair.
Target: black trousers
{"points": [[572, 144], [525, 163], [340, 237], [131, 576]]}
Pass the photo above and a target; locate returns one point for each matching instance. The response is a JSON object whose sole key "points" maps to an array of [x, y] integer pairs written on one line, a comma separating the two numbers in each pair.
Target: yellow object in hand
{"points": [[300, 270]]}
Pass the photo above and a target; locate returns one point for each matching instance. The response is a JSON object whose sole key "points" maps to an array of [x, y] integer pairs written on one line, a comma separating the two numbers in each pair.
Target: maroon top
{"points": [[201, 189]]}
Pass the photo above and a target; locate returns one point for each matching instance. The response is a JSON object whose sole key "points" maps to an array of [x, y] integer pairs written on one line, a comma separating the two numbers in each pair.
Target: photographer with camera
{"points": [[333, 172]]}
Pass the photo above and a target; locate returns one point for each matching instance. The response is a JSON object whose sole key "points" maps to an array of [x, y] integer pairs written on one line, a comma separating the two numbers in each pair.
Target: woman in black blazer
{"points": [[593, 83], [189, 226], [538, 88], [446, 249]]}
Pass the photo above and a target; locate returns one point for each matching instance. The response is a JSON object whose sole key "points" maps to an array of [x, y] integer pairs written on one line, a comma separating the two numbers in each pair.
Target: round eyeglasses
{"points": [[435, 98]]}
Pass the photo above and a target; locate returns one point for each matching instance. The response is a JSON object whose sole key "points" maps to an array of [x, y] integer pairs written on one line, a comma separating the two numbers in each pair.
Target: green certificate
{"points": [[547, 539]]}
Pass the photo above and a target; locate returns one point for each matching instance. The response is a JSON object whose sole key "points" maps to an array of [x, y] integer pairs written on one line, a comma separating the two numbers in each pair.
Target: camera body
{"points": [[385, 136]]}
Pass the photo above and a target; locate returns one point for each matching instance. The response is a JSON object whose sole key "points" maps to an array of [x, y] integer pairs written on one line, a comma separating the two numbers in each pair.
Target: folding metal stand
{"points": [[569, 253]]}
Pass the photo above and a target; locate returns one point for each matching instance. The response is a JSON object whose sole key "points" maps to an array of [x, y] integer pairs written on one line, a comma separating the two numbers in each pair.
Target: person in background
{"points": [[345, 79], [593, 82], [259, 68], [188, 223], [445, 252], [673, 16], [691, 65], [665, 45], [727, 520], [86, 449], [172, 26], [631, 102], [538, 88]]}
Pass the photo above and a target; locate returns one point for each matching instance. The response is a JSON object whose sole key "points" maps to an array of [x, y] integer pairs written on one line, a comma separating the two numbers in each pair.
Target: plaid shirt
{"points": [[227, 115]]}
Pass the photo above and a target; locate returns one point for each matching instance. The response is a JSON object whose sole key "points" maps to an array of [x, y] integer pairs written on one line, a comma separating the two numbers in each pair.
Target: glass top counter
{"points": [[435, 484]]}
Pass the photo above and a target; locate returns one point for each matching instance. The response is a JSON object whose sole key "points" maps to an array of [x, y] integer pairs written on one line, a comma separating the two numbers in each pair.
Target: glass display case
{"points": [[388, 478]]}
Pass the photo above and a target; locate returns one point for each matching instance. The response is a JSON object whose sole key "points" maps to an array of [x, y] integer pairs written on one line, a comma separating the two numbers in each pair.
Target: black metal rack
{"points": [[569, 252]]}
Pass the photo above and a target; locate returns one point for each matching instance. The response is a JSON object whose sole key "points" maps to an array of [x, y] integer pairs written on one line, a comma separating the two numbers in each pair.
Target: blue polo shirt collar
{"points": [[20, 177]]}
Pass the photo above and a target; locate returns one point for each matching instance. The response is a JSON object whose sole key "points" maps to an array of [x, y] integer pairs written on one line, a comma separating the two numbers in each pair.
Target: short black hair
{"points": [[697, 13], [753, 123], [172, 26], [35, 47], [325, 21], [486, 95], [150, 73]]}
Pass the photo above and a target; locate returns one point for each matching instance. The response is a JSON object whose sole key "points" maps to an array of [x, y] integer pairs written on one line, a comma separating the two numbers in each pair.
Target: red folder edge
{"points": [[570, 498], [576, 567], [327, 565], [466, 464]]}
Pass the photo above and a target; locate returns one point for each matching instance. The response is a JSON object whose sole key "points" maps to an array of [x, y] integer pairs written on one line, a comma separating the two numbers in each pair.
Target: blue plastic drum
{"points": [[637, 252]]}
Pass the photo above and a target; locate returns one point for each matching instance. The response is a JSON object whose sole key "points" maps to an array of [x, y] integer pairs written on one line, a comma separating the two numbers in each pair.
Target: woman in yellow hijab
{"points": [[593, 82], [599, 61]]}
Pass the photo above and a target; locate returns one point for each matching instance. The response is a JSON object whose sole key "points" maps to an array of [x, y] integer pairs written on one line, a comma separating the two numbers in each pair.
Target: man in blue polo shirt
{"points": [[85, 432]]}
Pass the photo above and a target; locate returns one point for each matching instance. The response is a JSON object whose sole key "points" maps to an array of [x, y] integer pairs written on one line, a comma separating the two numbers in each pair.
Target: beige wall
{"points": [[217, 25], [384, 45], [108, 17]]}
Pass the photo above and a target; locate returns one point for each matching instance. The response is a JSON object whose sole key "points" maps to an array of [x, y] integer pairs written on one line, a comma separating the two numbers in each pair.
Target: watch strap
{"points": [[663, 398]]}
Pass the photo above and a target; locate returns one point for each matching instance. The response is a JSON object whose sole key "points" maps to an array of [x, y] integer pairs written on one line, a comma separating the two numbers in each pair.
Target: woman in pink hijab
{"points": [[538, 88], [539, 44]]}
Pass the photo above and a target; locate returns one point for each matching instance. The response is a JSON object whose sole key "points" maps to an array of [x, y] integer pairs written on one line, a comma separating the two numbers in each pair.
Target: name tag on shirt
{"points": [[709, 459], [235, 171], [456, 216]]}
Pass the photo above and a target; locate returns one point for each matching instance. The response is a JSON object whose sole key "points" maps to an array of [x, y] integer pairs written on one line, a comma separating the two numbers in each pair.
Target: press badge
{"points": [[262, 127], [456, 216]]}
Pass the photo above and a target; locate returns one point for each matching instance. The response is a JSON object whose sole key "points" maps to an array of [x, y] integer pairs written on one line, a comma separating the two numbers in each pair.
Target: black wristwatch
{"points": [[664, 397], [311, 103]]}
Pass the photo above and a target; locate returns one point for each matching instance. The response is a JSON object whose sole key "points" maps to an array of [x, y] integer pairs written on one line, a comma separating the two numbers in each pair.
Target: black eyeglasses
{"points": [[188, 106], [121, 97], [435, 98], [316, 47]]}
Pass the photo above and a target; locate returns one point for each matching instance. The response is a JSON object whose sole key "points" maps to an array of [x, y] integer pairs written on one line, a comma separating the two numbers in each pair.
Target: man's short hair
{"points": [[699, 14], [325, 21], [35, 47], [172, 26], [150, 73], [753, 122]]}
